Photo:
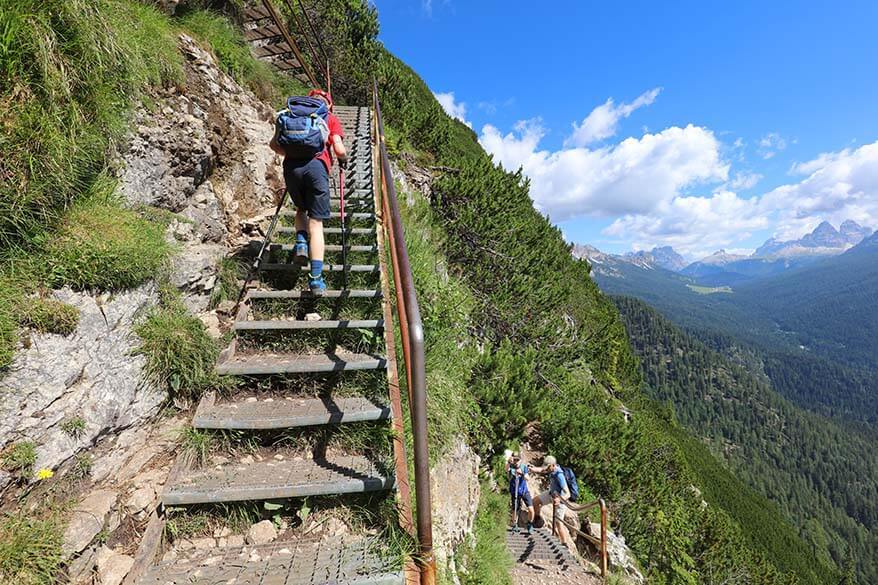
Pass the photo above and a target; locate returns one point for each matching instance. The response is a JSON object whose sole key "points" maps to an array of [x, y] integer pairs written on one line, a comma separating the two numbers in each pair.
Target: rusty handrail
{"points": [[601, 542], [282, 26], [315, 58], [413, 353]]}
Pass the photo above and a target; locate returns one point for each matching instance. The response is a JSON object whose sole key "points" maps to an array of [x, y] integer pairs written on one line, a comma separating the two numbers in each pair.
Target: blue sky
{"points": [[729, 122]]}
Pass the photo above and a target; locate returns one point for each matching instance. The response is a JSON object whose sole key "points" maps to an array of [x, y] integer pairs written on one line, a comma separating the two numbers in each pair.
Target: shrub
{"points": [[48, 315], [30, 549], [180, 355], [101, 245], [19, 459]]}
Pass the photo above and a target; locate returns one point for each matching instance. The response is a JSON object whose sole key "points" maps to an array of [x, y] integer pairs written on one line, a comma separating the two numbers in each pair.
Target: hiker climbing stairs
{"points": [[304, 367]]}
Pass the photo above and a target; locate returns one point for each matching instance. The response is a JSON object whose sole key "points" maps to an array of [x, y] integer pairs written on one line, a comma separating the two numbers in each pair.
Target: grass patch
{"points": [[229, 272], [314, 341], [70, 71], [180, 355], [19, 459], [445, 305], [48, 315], [488, 562], [74, 427], [709, 290], [30, 549], [101, 245]]}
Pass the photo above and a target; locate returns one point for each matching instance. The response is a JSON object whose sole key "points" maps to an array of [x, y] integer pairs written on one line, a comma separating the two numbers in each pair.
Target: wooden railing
{"points": [[600, 543]]}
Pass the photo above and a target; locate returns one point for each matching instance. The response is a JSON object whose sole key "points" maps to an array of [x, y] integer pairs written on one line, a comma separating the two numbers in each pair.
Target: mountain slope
{"points": [[800, 461]]}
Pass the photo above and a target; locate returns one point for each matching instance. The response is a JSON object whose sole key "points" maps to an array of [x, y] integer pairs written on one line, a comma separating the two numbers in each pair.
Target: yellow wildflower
{"points": [[44, 474]]}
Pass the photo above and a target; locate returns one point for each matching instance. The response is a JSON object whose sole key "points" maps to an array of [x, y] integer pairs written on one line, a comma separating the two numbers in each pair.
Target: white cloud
{"points": [[770, 145], [694, 226], [635, 176], [838, 186], [453, 108], [603, 121], [744, 180]]}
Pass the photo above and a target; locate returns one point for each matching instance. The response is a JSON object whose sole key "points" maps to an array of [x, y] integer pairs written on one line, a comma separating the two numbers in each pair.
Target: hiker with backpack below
{"points": [[518, 472], [306, 134], [560, 490]]}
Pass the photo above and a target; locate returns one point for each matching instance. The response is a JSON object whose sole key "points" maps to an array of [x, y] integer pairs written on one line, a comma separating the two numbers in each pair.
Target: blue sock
{"points": [[316, 268], [301, 237]]}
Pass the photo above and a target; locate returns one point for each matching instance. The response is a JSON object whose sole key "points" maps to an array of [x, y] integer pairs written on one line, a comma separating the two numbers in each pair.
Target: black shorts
{"points": [[308, 184], [524, 498]]}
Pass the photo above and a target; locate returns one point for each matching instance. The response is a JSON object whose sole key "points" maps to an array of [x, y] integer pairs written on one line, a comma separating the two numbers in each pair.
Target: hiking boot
{"points": [[317, 286], [530, 528], [516, 529], [300, 253]]}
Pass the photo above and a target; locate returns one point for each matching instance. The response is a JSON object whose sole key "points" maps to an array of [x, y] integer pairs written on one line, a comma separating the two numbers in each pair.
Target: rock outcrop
{"points": [[89, 376], [455, 491]]}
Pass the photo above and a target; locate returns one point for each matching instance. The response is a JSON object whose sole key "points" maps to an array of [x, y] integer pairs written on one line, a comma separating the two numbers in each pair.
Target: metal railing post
{"points": [[413, 352], [603, 539]]}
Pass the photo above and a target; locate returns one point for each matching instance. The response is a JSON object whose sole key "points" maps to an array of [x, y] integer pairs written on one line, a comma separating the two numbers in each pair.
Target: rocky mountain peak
{"points": [[853, 232], [668, 258]]}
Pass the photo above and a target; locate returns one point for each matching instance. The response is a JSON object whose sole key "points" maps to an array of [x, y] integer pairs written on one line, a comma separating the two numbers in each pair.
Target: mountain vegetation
{"points": [[803, 462], [507, 346]]}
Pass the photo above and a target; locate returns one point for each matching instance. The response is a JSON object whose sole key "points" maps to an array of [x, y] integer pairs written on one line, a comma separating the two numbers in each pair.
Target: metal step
{"points": [[326, 267], [267, 363], [331, 230], [354, 216], [328, 248], [306, 294], [303, 561], [271, 479], [539, 546], [300, 325], [285, 413]]}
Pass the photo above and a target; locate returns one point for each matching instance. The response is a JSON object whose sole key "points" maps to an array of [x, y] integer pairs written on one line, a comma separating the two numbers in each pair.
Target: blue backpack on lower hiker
{"points": [[572, 484], [303, 128]]}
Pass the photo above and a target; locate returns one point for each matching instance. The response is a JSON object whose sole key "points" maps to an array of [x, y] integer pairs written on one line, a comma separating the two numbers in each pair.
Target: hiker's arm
{"points": [[339, 149], [536, 469]]}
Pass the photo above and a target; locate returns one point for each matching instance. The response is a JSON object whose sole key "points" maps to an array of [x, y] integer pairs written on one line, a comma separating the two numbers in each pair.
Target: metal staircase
{"points": [[284, 337]]}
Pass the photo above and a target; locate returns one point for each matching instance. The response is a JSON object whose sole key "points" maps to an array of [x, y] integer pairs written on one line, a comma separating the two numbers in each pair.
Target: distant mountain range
{"points": [[725, 269]]}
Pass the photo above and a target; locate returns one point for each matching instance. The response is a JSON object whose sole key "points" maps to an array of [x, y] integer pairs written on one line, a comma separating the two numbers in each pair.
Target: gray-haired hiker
{"points": [[557, 494], [307, 133], [517, 471]]}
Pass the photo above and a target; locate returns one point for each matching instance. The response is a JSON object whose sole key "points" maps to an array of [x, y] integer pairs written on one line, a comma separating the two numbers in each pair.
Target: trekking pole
{"points": [[344, 247], [254, 268], [515, 505]]}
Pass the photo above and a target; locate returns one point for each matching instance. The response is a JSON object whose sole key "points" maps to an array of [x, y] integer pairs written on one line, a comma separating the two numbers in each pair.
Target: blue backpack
{"points": [[302, 128], [572, 484]]}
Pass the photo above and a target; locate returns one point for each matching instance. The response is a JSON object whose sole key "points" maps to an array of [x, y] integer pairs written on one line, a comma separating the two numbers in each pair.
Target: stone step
{"points": [[272, 479], [301, 325], [303, 561], [306, 294], [284, 413], [374, 268], [267, 363]]}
